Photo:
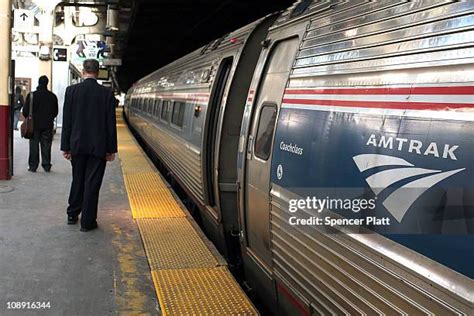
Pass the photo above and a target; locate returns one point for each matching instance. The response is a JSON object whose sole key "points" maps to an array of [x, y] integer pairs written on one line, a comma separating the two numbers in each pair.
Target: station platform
{"points": [[148, 257]]}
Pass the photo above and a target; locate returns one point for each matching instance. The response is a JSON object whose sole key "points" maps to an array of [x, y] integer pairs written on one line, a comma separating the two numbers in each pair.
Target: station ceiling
{"points": [[161, 31]]}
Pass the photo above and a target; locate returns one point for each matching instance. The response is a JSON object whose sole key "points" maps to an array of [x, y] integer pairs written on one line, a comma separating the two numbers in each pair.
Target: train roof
{"points": [[195, 62]]}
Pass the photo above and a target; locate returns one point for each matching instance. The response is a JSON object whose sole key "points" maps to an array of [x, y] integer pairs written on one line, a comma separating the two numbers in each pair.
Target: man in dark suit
{"points": [[45, 109], [89, 140]]}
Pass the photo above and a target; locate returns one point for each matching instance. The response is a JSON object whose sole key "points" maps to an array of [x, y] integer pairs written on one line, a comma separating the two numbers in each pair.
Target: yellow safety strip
{"points": [[189, 278], [172, 243], [207, 291]]}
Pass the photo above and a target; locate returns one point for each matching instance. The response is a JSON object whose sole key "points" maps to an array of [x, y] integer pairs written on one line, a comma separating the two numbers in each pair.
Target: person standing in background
{"points": [[19, 102], [45, 110], [88, 140]]}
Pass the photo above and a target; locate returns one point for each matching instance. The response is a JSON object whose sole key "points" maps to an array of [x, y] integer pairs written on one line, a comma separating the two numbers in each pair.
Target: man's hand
{"points": [[67, 155], [110, 157]]}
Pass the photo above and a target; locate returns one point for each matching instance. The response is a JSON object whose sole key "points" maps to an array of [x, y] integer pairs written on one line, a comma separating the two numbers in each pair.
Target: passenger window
{"points": [[266, 126], [178, 113], [157, 106], [165, 110]]}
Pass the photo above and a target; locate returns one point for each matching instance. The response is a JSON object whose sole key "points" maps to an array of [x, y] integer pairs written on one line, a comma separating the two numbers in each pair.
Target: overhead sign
{"points": [[24, 21], [112, 62], [87, 49], [90, 49], [60, 54]]}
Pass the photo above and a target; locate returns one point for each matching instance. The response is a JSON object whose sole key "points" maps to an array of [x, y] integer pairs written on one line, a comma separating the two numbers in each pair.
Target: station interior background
{"points": [[130, 38]]}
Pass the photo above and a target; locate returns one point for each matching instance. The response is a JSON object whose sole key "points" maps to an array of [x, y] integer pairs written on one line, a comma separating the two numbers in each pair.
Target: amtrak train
{"points": [[329, 150]]}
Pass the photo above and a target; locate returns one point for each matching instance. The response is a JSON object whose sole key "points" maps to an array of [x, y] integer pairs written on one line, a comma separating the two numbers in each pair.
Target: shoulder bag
{"points": [[27, 125]]}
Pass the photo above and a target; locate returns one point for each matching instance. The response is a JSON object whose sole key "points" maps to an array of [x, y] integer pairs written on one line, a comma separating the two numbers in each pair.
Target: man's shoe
{"points": [[31, 170], [71, 220], [47, 169], [86, 229]]}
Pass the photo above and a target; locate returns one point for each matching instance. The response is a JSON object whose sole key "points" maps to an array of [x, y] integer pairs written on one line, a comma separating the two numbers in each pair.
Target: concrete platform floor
{"points": [[102, 272]]}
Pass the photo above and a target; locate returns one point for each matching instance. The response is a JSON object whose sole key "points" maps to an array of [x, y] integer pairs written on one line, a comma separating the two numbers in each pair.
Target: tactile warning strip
{"points": [[189, 278], [136, 167], [160, 204], [134, 183], [200, 292], [172, 243]]}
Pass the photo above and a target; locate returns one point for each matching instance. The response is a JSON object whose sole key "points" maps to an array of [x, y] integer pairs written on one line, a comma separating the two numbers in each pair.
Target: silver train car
{"points": [[340, 100]]}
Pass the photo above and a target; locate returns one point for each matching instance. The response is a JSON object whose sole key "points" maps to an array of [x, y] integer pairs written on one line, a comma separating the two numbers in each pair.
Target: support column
{"points": [[48, 8], [46, 44], [5, 59]]}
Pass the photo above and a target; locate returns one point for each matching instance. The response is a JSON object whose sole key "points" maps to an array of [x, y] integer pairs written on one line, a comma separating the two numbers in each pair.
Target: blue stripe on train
{"points": [[314, 154]]}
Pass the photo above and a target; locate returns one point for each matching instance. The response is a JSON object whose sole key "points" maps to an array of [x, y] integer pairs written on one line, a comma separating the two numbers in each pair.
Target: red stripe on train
{"points": [[301, 308], [188, 95], [184, 98], [396, 91], [387, 105]]}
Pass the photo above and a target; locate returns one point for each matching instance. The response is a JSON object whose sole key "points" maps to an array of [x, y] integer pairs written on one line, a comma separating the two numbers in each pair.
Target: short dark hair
{"points": [[43, 81], [91, 66], [18, 89]]}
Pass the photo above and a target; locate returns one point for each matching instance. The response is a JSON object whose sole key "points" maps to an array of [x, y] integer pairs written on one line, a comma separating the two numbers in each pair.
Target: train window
{"points": [[157, 106], [300, 8], [266, 126], [165, 110], [178, 113]]}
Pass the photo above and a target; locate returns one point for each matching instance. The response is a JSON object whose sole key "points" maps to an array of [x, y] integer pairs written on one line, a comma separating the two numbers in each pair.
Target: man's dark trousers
{"points": [[43, 138], [87, 174]]}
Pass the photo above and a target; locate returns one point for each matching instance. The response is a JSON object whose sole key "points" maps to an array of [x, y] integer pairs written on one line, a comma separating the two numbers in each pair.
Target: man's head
{"points": [[90, 68], [43, 81], [18, 90]]}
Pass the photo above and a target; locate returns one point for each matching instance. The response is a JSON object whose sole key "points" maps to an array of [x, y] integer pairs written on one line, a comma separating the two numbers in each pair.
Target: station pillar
{"points": [[5, 61], [46, 41]]}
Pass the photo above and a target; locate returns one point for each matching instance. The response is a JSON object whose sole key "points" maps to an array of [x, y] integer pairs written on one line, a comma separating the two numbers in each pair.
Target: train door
{"points": [[269, 95]]}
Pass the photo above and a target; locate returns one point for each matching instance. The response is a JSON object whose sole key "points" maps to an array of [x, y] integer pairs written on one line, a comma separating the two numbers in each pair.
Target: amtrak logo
{"points": [[399, 201]]}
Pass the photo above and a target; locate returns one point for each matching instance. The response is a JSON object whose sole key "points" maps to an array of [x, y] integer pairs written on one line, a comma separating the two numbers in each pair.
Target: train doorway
{"points": [[212, 129]]}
